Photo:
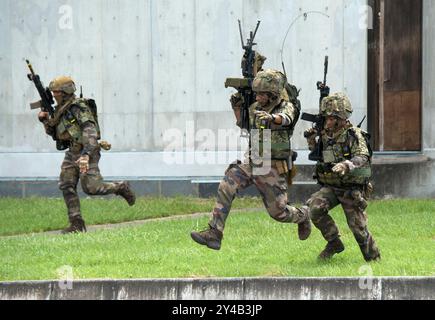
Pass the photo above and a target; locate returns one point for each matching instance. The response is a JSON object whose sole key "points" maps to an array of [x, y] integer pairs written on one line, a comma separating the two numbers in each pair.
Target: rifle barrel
{"points": [[256, 29], [241, 34], [30, 67]]}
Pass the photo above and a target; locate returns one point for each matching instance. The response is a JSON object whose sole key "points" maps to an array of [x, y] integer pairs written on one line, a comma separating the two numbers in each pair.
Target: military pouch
{"points": [[105, 145], [368, 190], [292, 175], [360, 202], [281, 166], [328, 156]]}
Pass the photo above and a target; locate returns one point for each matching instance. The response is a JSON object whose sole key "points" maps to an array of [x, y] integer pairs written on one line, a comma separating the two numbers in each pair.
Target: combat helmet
{"points": [[65, 84], [272, 81], [337, 105]]}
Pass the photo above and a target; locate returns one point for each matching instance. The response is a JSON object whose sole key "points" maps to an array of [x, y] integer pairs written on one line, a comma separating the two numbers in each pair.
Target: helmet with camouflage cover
{"points": [[272, 81], [337, 105], [65, 84]]}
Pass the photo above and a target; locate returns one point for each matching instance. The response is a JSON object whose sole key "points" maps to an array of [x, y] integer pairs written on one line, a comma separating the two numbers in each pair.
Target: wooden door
{"points": [[395, 75]]}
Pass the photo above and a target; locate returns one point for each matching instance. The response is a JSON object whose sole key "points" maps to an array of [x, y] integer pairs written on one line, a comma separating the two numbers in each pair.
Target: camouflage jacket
{"points": [[75, 124], [347, 144], [280, 134]]}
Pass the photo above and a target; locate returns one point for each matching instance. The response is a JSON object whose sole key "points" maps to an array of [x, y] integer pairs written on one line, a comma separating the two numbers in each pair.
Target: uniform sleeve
{"points": [[289, 115], [51, 131], [359, 150], [87, 123]]}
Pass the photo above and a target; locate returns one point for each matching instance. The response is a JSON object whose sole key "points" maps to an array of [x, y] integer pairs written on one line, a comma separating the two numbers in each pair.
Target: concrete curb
{"points": [[378, 288]]}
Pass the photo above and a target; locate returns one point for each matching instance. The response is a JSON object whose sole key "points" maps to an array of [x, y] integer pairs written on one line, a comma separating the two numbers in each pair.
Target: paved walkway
{"points": [[93, 228]]}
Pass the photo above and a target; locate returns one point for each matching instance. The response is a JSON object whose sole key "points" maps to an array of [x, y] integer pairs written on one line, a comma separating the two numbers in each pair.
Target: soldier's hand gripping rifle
{"points": [[318, 120], [249, 70], [46, 102]]}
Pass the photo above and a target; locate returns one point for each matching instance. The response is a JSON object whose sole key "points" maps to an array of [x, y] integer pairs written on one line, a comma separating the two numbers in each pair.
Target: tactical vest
{"points": [[338, 151], [69, 129], [280, 136]]}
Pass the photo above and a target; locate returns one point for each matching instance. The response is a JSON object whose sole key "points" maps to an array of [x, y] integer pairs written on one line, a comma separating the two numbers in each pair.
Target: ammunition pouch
{"points": [[281, 166]]}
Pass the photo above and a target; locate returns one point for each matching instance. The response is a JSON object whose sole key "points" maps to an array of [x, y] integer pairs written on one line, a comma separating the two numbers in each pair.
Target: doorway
{"points": [[395, 75]]}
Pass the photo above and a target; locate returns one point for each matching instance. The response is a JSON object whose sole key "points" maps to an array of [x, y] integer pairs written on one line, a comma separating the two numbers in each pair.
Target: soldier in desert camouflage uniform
{"points": [[271, 111], [344, 174], [75, 126]]}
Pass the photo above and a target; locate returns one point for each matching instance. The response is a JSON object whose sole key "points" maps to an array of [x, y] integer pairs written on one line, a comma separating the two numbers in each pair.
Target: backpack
{"points": [[90, 103], [293, 94], [367, 138], [93, 106]]}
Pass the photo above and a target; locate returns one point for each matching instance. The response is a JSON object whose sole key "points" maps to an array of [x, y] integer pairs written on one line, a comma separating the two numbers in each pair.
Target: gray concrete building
{"points": [[156, 69]]}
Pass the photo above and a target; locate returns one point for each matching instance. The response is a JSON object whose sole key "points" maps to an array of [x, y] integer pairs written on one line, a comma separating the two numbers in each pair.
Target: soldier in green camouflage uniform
{"points": [[75, 126], [272, 112], [344, 174]]}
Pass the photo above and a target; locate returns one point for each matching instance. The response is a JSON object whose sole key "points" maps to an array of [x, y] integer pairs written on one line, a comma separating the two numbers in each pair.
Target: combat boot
{"points": [[77, 224], [211, 238], [126, 192], [369, 251], [333, 247], [304, 228]]}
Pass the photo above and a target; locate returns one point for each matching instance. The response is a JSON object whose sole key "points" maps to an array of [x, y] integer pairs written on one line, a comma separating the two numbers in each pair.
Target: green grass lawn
{"points": [[254, 245], [28, 215]]}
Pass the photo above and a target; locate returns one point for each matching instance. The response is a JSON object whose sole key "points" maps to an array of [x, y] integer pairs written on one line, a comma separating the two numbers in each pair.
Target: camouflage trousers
{"points": [[353, 203], [273, 190], [92, 182]]}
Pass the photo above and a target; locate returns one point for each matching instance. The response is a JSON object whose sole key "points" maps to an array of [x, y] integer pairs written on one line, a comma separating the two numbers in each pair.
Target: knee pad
{"points": [[89, 190]]}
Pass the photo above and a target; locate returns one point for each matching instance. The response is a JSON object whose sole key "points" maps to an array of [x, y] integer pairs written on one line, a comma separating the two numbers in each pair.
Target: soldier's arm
{"points": [[311, 135], [87, 123], [236, 103], [359, 150], [287, 117], [44, 119]]}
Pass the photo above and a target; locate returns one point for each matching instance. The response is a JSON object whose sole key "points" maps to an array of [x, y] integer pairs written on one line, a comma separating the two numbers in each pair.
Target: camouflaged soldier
{"points": [[280, 116], [344, 174], [75, 126]]}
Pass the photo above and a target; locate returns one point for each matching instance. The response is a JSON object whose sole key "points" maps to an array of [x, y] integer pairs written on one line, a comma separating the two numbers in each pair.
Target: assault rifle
{"points": [[46, 102], [249, 70], [318, 120]]}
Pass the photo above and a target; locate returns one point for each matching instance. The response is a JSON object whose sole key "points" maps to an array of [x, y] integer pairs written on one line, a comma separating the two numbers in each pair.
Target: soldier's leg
{"points": [[319, 205], [235, 180], [354, 206], [273, 189], [93, 183], [68, 180]]}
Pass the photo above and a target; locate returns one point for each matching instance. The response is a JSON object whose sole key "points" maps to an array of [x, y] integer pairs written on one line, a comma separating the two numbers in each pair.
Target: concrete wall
{"points": [[388, 288], [158, 64]]}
